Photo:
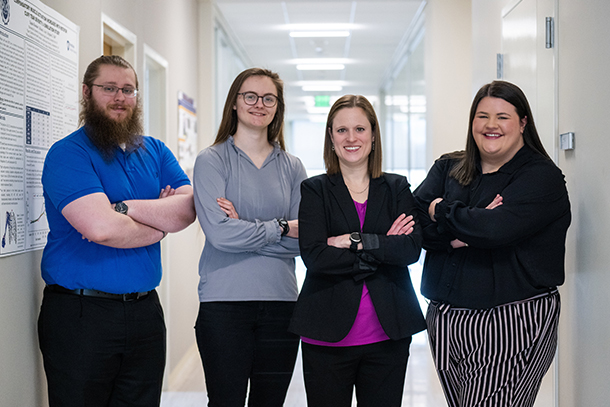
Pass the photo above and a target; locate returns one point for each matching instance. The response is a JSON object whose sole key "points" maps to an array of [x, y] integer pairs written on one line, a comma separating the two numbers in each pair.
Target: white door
{"points": [[531, 66]]}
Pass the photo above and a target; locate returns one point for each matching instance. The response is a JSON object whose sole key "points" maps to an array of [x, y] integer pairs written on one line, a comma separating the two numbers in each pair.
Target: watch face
{"points": [[284, 225], [355, 237], [121, 207]]}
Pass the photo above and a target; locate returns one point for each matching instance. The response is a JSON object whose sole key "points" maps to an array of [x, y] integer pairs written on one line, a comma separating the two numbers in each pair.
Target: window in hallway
{"points": [[405, 118]]}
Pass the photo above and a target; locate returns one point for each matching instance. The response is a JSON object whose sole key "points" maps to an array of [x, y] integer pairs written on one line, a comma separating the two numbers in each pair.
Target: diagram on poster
{"points": [[38, 106]]}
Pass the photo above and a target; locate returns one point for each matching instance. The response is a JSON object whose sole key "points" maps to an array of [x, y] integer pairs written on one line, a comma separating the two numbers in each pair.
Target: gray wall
{"points": [[583, 61]]}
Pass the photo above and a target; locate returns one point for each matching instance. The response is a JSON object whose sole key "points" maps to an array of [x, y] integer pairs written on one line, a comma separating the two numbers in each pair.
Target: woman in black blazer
{"points": [[357, 309]]}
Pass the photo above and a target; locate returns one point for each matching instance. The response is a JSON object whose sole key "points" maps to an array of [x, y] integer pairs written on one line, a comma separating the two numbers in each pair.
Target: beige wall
{"points": [[21, 377], [448, 42], [171, 29]]}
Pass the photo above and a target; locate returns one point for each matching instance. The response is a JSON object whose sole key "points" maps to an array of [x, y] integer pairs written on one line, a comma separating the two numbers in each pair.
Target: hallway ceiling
{"points": [[377, 30]]}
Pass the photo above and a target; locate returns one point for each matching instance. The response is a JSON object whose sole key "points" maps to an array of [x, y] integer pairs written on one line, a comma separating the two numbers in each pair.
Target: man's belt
{"points": [[100, 294]]}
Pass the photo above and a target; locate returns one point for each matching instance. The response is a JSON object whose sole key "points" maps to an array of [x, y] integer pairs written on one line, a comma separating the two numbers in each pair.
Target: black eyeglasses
{"points": [[251, 98], [111, 90]]}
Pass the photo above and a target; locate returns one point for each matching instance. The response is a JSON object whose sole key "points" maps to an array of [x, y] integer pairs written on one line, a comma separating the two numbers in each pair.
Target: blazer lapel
{"points": [[339, 190]]}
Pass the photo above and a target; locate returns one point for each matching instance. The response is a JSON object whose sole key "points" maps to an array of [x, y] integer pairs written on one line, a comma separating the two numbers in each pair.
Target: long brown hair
{"points": [[466, 168], [228, 124], [331, 161]]}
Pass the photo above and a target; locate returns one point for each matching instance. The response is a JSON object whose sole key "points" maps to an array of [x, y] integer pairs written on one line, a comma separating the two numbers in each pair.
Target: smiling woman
{"points": [[357, 309], [494, 220], [498, 132], [247, 193], [352, 137], [254, 115]]}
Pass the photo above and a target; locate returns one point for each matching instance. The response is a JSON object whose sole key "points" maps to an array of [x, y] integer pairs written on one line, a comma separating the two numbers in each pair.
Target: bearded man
{"points": [[111, 195]]}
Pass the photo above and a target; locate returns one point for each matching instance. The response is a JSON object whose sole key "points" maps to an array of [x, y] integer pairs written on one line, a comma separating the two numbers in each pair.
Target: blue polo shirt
{"points": [[74, 168]]}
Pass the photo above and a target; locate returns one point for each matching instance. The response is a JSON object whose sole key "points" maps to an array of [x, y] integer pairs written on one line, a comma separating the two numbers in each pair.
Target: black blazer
{"points": [[330, 297]]}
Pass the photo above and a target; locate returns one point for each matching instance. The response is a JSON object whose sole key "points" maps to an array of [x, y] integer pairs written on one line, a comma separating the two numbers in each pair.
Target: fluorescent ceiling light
{"points": [[322, 88], [331, 86], [310, 34], [298, 61], [321, 27], [320, 67]]}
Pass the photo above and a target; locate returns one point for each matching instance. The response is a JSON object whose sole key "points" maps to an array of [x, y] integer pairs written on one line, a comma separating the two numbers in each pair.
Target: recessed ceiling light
{"points": [[310, 34], [320, 67], [322, 88]]}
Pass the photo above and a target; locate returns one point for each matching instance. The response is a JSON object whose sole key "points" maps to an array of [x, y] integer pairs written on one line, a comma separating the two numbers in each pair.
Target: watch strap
{"points": [[355, 239]]}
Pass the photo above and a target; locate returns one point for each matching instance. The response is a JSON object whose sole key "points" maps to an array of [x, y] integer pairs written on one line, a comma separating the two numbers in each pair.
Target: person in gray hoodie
{"points": [[247, 194]]}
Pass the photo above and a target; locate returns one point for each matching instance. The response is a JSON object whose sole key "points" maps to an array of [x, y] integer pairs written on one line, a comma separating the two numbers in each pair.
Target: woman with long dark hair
{"points": [[495, 218]]}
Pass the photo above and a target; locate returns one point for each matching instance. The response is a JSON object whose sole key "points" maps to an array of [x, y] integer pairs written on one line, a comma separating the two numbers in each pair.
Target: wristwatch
{"points": [[121, 207], [355, 238], [284, 225]]}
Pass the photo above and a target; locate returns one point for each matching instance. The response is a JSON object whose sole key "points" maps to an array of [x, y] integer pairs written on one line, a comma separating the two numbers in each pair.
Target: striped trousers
{"points": [[494, 357]]}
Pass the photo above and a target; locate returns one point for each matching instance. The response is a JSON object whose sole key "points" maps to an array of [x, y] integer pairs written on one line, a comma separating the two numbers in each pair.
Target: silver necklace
{"points": [[355, 192]]}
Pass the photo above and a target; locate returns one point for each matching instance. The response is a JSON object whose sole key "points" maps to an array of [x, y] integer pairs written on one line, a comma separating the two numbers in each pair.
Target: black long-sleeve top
{"points": [[515, 251]]}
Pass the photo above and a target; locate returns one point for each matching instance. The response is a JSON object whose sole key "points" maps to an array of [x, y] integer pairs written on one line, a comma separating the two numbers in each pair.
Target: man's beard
{"points": [[108, 134]]}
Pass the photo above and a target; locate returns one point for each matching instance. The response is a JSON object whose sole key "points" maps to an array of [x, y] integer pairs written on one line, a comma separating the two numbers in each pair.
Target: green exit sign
{"points": [[322, 100]]}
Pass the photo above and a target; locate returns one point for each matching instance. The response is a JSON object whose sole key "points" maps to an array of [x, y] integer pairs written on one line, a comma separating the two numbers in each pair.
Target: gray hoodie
{"points": [[246, 259]]}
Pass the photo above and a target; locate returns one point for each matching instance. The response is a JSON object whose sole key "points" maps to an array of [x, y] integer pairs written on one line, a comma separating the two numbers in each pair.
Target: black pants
{"points": [[102, 352], [377, 371], [246, 341]]}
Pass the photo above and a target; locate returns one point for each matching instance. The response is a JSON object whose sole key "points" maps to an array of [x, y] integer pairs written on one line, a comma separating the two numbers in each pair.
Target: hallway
{"points": [[422, 388]]}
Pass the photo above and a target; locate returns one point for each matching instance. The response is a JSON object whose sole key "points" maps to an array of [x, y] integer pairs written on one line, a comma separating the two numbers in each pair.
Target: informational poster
{"points": [[187, 132], [38, 106]]}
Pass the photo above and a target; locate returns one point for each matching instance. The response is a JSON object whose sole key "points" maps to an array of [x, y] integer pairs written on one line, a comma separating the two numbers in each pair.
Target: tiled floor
{"points": [[421, 386]]}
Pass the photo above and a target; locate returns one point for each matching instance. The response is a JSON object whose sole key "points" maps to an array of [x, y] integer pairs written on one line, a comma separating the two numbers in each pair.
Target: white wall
{"points": [[171, 29]]}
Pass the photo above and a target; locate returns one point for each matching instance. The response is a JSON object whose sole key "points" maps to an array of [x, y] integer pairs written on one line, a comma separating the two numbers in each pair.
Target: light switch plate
{"points": [[566, 141]]}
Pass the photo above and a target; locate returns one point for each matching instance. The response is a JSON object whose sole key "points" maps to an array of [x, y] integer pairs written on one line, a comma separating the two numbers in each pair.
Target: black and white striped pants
{"points": [[494, 357]]}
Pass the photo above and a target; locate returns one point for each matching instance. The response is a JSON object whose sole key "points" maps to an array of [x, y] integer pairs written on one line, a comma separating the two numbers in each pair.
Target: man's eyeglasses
{"points": [[111, 90], [251, 98]]}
